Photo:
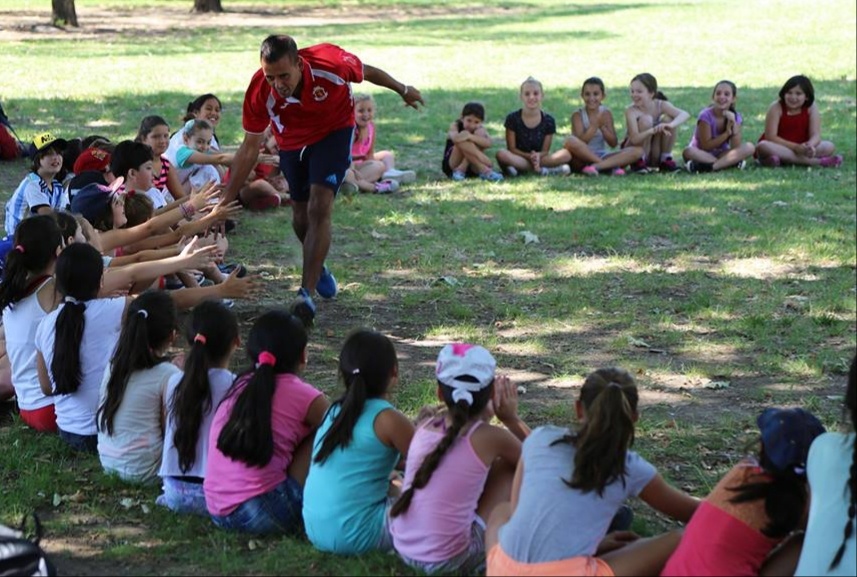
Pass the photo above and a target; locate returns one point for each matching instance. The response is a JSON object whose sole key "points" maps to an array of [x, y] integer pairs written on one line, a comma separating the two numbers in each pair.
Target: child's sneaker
{"points": [[402, 176], [386, 186], [348, 188], [742, 165], [830, 161], [561, 170], [326, 287], [491, 176], [589, 170], [640, 167], [618, 171], [457, 175], [511, 171], [696, 166], [668, 165], [304, 308], [772, 161]]}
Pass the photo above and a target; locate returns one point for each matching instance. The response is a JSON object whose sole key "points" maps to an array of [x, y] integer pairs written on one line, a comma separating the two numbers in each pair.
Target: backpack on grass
{"points": [[20, 553]]}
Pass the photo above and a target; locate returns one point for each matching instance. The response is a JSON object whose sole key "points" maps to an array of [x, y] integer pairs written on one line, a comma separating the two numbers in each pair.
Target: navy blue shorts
{"points": [[323, 163]]}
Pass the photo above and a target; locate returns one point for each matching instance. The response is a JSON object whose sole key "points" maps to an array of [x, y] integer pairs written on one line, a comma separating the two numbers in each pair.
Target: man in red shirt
{"points": [[305, 96]]}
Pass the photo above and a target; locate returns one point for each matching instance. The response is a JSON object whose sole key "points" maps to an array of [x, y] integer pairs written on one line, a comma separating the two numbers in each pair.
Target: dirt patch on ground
{"points": [[163, 20]]}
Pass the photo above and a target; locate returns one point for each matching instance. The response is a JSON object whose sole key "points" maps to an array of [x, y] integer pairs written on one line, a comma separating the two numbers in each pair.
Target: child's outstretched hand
{"points": [[238, 288], [197, 256], [224, 211], [203, 197]]}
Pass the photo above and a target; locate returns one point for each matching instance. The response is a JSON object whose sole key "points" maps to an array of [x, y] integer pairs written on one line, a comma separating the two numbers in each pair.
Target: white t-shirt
{"points": [[134, 449], [20, 322], [102, 324], [159, 197], [828, 470], [220, 381]]}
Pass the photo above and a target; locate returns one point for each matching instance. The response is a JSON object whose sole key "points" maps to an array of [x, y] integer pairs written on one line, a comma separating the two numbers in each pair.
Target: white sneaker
{"points": [[561, 170], [402, 176]]}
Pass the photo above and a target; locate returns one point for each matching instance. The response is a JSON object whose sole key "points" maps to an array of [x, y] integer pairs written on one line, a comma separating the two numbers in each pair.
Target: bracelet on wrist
{"points": [[405, 91]]}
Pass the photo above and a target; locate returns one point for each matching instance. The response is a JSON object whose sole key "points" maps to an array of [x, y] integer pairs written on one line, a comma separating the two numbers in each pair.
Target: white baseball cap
{"points": [[459, 359]]}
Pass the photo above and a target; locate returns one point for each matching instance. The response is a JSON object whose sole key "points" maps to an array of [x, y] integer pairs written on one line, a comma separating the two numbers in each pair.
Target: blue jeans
{"points": [[85, 443], [277, 511]]}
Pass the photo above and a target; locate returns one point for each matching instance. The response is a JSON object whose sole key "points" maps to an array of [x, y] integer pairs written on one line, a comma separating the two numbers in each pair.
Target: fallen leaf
{"points": [[522, 390], [56, 500], [377, 235], [450, 280], [638, 343], [529, 238], [716, 385], [145, 508], [780, 203], [127, 502]]}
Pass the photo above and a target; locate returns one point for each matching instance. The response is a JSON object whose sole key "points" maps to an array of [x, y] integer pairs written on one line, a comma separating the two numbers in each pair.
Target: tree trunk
{"points": [[206, 6], [64, 13]]}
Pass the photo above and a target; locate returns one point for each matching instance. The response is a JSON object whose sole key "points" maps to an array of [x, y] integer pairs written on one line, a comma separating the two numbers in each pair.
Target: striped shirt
{"points": [[32, 193]]}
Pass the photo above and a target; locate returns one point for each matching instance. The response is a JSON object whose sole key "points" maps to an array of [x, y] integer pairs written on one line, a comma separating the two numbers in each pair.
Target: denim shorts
{"points": [[182, 496], [471, 561], [85, 443], [323, 163], [277, 511]]}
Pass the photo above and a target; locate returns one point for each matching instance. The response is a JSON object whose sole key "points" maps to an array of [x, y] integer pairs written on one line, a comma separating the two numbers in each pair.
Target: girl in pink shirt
{"points": [[261, 434], [439, 527]]}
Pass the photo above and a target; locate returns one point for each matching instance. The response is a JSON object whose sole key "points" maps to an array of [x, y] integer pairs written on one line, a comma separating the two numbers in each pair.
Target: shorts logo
{"points": [[319, 93], [331, 179]]}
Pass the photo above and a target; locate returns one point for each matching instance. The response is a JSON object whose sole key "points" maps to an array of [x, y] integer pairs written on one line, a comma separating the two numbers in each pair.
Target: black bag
{"points": [[20, 553]]}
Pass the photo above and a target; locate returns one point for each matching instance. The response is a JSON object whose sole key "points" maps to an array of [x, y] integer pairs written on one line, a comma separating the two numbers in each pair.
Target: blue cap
{"points": [[786, 437]]}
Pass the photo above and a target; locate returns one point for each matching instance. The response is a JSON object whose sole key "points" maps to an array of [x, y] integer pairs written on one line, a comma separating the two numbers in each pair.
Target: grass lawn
{"points": [[723, 293]]}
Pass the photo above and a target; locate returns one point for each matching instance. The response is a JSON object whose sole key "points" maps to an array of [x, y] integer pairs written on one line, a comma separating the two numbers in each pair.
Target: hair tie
{"points": [[188, 126], [143, 312], [266, 358], [355, 372], [19, 248], [462, 395], [71, 300], [199, 338]]}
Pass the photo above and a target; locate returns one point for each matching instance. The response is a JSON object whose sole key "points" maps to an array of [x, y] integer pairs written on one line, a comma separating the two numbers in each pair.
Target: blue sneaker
{"points": [[304, 308], [491, 176], [326, 287]]}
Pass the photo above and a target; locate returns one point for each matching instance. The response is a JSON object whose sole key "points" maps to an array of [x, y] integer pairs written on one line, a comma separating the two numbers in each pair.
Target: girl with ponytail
{"points": [[261, 433], [830, 543], [568, 487], [131, 409], [27, 295], [74, 343], [755, 506], [192, 396], [348, 491], [439, 527]]}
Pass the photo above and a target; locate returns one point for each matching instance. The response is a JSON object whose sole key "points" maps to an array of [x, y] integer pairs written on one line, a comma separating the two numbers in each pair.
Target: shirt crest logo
{"points": [[319, 93]]}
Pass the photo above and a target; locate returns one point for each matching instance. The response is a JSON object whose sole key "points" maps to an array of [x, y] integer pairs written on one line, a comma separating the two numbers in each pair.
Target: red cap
{"points": [[92, 159]]}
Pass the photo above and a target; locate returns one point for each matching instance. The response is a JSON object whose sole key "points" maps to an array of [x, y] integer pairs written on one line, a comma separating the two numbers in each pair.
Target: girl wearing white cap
{"points": [[439, 526]]}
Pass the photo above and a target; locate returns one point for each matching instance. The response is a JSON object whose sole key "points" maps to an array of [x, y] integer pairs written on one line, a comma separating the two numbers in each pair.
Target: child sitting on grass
{"points": [[348, 491], [460, 467], [191, 399], [261, 434], [755, 506], [569, 486], [466, 142], [133, 390]]}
